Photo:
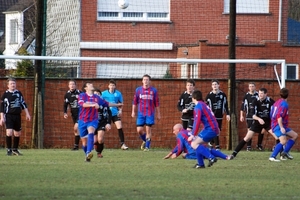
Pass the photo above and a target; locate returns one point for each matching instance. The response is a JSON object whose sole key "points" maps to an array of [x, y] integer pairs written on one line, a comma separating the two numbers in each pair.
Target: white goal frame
{"points": [[281, 80]]}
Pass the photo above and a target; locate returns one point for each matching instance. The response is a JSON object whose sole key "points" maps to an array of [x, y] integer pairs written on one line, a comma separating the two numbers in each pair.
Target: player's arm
{"points": [[180, 103], [242, 110], [226, 108], [2, 119]]}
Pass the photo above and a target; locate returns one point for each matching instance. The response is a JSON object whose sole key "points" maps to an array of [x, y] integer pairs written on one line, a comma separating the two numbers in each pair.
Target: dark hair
{"points": [[97, 90], [197, 94], [72, 80], [263, 90], [11, 79], [284, 93], [111, 81], [215, 80], [84, 86], [191, 81], [251, 83], [147, 75]]}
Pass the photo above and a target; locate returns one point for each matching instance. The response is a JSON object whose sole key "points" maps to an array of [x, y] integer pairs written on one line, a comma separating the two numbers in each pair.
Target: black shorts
{"points": [[75, 118], [249, 122], [101, 126], [257, 127], [220, 123], [13, 122], [115, 118], [187, 123]]}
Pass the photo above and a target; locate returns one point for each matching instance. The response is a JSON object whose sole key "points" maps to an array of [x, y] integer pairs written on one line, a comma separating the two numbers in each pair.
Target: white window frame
{"points": [[248, 6], [296, 72], [189, 70], [135, 12], [131, 70], [13, 31]]}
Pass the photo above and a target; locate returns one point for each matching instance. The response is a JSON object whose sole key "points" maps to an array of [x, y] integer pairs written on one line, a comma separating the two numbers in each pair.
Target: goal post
{"points": [[169, 76], [281, 62]]}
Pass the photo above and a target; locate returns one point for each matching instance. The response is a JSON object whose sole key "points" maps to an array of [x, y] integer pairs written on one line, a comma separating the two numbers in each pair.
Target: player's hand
{"points": [[107, 127], [158, 116], [261, 121], [242, 118], [120, 113], [96, 106], [228, 118], [168, 156], [191, 138], [184, 110], [133, 114], [119, 104], [282, 130], [65, 115], [28, 117]]}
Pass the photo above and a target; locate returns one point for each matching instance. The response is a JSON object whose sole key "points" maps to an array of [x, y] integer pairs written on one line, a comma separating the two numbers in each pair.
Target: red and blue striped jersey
{"points": [[89, 113], [183, 145], [146, 100], [204, 115], [279, 109]]}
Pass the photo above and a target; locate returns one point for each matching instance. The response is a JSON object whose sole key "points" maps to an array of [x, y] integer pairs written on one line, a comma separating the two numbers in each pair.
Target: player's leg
{"points": [[185, 123], [8, 138], [76, 137], [149, 123], [242, 143], [260, 140], [117, 121], [290, 143], [100, 141], [249, 143], [217, 139], [17, 134], [140, 122], [82, 129]]}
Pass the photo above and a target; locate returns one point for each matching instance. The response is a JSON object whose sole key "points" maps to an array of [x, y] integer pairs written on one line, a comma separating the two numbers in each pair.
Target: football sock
{"points": [[260, 139], [16, 143], [249, 144], [143, 137], [84, 148], [217, 142], [100, 147], [290, 143], [90, 142], [218, 154], [148, 142], [278, 148], [204, 151], [121, 135], [96, 146], [77, 139], [239, 147], [8, 142]]}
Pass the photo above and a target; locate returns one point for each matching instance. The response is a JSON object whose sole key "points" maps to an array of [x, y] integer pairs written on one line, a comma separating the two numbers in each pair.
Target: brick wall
{"points": [[58, 131]]}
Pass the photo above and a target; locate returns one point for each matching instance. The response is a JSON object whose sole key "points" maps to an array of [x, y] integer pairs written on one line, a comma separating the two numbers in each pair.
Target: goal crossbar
{"points": [[281, 81]]}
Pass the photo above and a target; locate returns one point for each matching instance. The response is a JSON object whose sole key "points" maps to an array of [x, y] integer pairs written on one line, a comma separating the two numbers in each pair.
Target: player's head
{"points": [[112, 85], [251, 86], [177, 128], [146, 80], [11, 83], [190, 85], [97, 92], [284, 93], [215, 84], [262, 93], [88, 87], [72, 84], [197, 95]]}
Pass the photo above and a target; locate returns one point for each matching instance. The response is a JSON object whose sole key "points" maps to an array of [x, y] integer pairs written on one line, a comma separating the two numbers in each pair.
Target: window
{"points": [[13, 31], [189, 70], [248, 6], [292, 71], [154, 10], [131, 70]]}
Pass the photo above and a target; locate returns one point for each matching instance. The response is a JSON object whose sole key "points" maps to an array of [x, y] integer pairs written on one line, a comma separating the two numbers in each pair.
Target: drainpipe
{"points": [[279, 20]]}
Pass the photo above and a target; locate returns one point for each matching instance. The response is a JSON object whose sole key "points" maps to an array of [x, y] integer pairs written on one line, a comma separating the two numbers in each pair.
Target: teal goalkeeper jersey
{"points": [[115, 97]]}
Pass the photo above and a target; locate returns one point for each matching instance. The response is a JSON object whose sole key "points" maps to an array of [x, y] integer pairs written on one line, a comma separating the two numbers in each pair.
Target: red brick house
{"points": [[195, 29]]}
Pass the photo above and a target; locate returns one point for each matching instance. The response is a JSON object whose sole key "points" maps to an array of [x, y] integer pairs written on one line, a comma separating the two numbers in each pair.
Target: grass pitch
{"points": [[135, 175]]}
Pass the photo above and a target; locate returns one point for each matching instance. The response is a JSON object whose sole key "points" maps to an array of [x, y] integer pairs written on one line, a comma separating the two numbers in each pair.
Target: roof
{"points": [[21, 5]]}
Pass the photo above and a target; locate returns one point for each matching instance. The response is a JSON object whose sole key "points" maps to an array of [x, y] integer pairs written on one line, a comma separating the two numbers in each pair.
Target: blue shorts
{"points": [[207, 135], [278, 133], [144, 120], [83, 126], [191, 156]]}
